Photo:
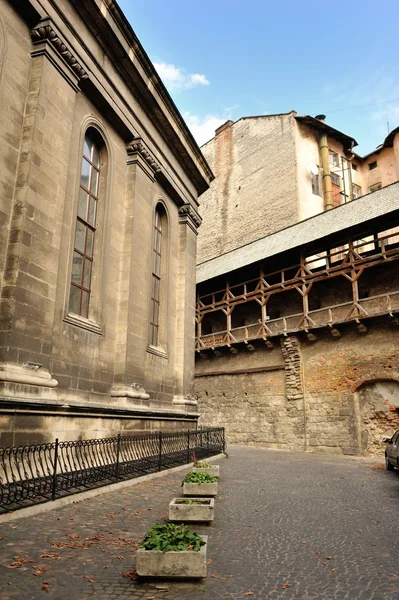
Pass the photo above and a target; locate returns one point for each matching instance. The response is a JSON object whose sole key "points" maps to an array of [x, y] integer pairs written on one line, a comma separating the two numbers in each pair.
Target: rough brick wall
{"points": [[255, 190], [336, 395]]}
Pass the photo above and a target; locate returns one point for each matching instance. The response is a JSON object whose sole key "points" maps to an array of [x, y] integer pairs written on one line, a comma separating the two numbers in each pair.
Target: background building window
{"points": [[356, 190], [354, 166], [316, 184], [334, 158], [373, 165], [375, 187], [336, 189], [82, 261]]}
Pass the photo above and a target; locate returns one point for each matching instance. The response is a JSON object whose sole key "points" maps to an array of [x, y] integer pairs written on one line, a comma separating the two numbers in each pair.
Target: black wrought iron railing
{"points": [[38, 473]]}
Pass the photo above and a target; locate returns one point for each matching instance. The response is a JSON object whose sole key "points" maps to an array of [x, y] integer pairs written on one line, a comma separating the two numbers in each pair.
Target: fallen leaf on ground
{"points": [[285, 586], [52, 555], [209, 561], [130, 575], [46, 586], [249, 593], [19, 561], [89, 578]]}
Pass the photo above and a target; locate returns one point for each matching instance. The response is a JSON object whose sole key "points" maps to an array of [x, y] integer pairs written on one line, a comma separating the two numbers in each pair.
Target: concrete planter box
{"points": [[178, 511], [200, 489], [213, 471], [153, 563]]}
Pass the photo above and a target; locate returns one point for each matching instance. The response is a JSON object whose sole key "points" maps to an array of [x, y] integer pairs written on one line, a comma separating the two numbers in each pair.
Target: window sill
{"points": [[83, 323], [158, 351]]}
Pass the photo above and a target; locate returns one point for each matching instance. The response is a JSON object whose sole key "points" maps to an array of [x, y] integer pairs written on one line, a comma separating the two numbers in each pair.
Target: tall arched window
{"points": [[159, 248], [82, 263]]}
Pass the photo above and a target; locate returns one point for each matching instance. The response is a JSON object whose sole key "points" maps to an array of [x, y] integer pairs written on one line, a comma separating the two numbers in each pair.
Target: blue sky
{"points": [[226, 59]]}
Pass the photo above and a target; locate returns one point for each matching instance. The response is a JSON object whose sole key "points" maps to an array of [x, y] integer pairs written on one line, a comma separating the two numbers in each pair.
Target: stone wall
{"points": [[333, 395]]}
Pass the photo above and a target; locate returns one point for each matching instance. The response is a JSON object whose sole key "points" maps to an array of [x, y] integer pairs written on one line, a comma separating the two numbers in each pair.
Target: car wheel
{"points": [[388, 464]]}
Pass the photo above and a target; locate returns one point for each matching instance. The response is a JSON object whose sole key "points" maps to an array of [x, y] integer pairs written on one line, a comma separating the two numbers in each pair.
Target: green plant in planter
{"points": [[171, 537], [203, 465], [199, 478], [190, 501]]}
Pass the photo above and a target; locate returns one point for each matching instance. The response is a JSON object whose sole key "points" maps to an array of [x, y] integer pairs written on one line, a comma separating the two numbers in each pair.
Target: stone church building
{"points": [[298, 287], [99, 186]]}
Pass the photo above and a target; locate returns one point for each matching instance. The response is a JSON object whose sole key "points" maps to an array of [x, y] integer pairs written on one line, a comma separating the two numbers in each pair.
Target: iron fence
{"points": [[38, 473]]}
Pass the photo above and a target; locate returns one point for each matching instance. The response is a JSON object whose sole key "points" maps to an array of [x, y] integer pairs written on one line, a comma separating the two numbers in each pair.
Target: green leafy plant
{"points": [[170, 537], [203, 465], [199, 478]]}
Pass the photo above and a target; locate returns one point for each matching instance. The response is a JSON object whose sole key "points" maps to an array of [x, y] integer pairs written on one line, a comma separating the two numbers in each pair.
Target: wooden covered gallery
{"points": [[297, 332]]}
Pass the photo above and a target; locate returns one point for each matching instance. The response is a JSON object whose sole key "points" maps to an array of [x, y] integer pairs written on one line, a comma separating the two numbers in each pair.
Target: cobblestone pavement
{"points": [[287, 526]]}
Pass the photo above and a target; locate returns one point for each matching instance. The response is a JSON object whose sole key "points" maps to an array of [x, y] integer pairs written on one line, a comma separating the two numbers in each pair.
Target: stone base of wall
{"points": [[23, 423]]}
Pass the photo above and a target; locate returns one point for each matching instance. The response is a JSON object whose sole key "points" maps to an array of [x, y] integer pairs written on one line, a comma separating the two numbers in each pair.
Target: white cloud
{"points": [[203, 129], [197, 79], [175, 78]]}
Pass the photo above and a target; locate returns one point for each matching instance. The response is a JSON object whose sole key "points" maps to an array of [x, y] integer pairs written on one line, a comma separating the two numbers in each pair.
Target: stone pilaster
{"points": [[132, 328], [33, 251], [189, 221]]}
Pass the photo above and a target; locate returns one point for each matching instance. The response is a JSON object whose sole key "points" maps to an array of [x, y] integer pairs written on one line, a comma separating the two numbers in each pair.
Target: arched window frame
{"points": [[93, 321], [157, 338]]}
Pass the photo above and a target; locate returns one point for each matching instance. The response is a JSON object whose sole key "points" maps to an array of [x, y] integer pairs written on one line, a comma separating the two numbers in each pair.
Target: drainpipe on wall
{"points": [[325, 165]]}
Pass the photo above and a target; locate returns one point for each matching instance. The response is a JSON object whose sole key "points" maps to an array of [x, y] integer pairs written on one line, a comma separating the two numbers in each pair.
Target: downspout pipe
{"points": [[325, 165]]}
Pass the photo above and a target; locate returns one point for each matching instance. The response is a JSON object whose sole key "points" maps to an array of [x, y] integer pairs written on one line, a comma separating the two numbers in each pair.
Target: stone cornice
{"points": [[46, 32], [138, 146], [189, 216]]}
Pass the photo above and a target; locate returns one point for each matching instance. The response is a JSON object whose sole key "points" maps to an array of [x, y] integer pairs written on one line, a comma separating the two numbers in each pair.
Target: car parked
{"points": [[392, 451]]}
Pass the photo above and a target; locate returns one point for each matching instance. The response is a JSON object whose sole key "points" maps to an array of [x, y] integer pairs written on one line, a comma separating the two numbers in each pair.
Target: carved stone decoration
{"points": [[189, 400], [30, 373], [134, 390], [45, 32], [189, 216], [137, 146]]}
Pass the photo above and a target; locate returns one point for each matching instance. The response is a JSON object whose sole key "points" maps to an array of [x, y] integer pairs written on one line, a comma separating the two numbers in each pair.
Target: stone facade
{"points": [[66, 69]]}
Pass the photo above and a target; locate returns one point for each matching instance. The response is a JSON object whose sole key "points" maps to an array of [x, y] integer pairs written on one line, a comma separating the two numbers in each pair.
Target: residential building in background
{"points": [[100, 179], [272, 171]]}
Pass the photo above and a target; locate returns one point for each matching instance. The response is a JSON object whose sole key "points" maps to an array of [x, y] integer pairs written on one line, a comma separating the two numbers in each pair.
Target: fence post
{"points": [[188, 446], [54, 470], [160, 452], [118, 449]]}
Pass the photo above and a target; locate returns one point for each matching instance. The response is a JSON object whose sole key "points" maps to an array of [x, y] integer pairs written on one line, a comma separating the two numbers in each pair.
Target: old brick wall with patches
{"points": [[333, 395]]}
